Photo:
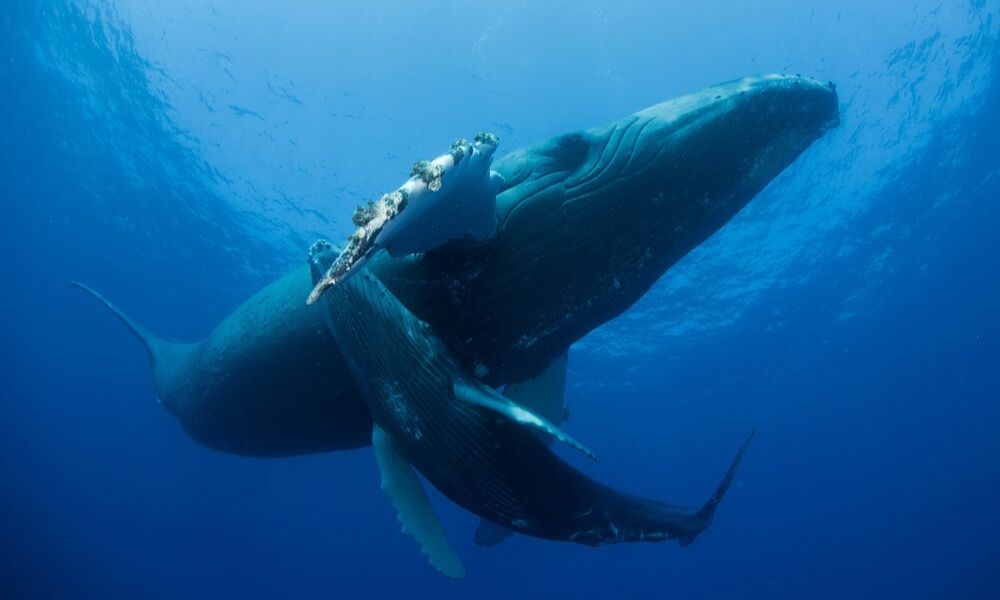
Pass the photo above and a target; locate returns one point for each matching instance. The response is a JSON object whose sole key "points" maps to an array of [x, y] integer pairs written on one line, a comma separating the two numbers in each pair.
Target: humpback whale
{"points": [[432, 414], [586, 223]]}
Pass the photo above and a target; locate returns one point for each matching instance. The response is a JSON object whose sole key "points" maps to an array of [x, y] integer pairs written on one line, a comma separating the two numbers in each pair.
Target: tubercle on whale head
{"points": [[770, 121], [812, 103], [789, 105]]}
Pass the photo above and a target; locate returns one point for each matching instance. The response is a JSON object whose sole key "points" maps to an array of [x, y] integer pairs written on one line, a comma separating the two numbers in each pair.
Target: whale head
{"points": [[678, 163], [599, 215]]}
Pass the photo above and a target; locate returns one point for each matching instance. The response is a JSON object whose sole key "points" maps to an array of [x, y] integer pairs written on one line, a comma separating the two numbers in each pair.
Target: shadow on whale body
{"points": [[587, 223]]}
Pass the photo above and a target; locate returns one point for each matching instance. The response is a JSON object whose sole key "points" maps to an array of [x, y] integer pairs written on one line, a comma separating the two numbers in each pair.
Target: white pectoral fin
{"points": [[413, 508], [476, 393]]}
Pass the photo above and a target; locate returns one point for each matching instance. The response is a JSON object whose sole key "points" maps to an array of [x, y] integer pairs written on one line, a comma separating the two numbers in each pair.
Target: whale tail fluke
{"points": [[707, 511], [154, 345]]}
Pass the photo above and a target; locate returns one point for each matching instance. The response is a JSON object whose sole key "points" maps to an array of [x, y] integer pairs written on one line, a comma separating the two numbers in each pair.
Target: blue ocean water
{"points": [[179, 156]]}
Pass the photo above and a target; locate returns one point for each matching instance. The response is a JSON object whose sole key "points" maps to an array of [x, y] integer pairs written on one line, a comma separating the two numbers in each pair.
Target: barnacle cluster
{"points": [[363, 213], [385, 208], [428, 172], [487, 139], [458, 149], [370, 218], [419, 168]]}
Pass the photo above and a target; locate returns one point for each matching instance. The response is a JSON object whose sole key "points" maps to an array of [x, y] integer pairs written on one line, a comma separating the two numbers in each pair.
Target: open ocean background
{"points": [[179, 155]]}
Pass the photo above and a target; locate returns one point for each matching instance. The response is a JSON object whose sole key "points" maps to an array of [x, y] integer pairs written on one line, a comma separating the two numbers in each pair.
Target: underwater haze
{"points": [[178, 156]]}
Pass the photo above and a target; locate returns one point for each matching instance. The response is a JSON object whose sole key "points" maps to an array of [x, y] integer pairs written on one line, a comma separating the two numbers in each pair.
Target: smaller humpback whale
{"points": [[429, 412]]}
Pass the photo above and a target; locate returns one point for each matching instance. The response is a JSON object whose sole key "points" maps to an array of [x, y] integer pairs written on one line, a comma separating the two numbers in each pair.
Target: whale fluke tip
{"points": [[151, 343], [709, 508], [705, 514]]}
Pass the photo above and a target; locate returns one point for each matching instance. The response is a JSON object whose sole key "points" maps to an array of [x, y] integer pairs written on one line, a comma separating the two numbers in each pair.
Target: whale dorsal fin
{"points": [[474, 392], [413, 508]]}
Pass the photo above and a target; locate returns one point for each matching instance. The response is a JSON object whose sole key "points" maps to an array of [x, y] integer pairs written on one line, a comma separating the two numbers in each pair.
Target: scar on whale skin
{"points": [[451, 197]]}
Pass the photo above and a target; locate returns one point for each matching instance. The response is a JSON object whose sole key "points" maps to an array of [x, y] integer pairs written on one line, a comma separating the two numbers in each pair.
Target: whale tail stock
{"points": [[703, 517], [155, 347]]}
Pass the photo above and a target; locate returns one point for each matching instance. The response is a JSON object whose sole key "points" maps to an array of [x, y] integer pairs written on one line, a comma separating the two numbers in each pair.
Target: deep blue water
{"points": [[178, 158]]}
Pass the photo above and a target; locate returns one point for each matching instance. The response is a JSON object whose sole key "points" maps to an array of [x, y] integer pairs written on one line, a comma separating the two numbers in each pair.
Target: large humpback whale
{"points": [[588, 221]]}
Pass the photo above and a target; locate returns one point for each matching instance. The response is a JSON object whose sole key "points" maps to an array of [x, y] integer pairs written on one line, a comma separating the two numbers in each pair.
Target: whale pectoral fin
{"points": [[489, 534], [544, 394], [413, 508], [476, 393], [450, 198]]}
